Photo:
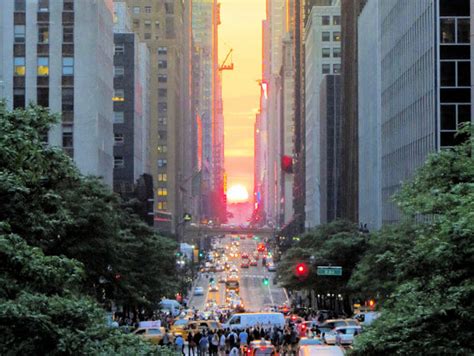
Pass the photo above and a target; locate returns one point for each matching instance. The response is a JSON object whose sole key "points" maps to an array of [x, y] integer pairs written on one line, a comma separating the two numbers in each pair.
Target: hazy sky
{"points": [[241, 29]]}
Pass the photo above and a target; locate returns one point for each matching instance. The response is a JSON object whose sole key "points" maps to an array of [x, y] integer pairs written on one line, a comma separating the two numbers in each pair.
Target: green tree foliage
{"points": [[43, 312], [431, 306], [46, 201], [338, 244]]}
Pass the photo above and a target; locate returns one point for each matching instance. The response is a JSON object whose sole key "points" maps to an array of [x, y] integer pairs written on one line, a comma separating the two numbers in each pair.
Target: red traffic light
{"points": [[301, 270], [372, 304]]}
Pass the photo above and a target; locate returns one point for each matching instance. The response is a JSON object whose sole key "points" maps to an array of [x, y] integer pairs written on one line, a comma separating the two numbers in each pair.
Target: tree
{"points": [[43, 312], [431, 310]]}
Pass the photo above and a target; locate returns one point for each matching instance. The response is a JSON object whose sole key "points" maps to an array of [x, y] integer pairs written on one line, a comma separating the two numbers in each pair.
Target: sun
{"points": [[237, 194]]}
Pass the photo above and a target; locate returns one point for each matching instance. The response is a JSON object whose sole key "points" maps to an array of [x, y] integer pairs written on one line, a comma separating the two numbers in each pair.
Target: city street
{"points": [[254, 294]]}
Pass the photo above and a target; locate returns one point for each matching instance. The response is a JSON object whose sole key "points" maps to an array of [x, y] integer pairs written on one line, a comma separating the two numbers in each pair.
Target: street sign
{"points": [[187, 217], [329, 271]]}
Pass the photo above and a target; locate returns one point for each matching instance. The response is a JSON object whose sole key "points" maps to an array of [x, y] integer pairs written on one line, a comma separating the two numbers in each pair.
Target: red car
{"points": [[244, 265], [253, 263], [245, 255]]}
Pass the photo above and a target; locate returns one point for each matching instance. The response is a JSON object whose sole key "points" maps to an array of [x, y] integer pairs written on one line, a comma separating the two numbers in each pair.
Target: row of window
{"points": [[336, 68], [336, 52], [42, 67], [169, 9], [19, 34], [43, 5], [326, 20], [162, 192], [42, 98], [326, 36], [162, 205]]}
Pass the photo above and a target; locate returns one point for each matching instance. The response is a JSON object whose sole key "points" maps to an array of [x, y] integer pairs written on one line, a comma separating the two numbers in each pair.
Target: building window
{"points": [[42, 97], [19, 66], [169, 8], [20, 5], [336, 20], [162, 205], [67, 100], [147, 25], [43, 34], [162, 93], [162, 51], [68, 5], [119, 162], [162, 64], [119, 71], [68, 139], [148, 36], [157, 24], [325, 20], [18, 98], [162, 163], [43, 5], [162, 149], [326, 52], [448, 30], [336, 36], [448, 74], [118, 139], [43, 66], [336, 68], [162, 121], [463, 29], [162, 177], [119, 117], [464, 74], [68, 66], [326, 69], [336, 52], [119, 49], [19, 33], [68, 34], [326, 36], [162, 135], [148, 9], [162, 78], [136, 10], [162, 192], [119, 95], [162, 108]]}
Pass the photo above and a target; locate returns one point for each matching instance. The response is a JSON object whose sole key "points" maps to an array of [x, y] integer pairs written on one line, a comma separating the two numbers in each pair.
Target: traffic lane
{"points": [[199, 301]]}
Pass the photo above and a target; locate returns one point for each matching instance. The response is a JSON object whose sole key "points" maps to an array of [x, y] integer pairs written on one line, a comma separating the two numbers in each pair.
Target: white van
{"points": [[248, 320]]}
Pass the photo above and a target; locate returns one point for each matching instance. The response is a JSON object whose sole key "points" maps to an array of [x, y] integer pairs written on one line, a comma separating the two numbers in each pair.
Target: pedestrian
{"points": [[179, 344], [234, 351], [243, 337], [232, 339], [197, 338], [222, 341], [203, 345], [191, 344], [214, 345], [166, 338]]}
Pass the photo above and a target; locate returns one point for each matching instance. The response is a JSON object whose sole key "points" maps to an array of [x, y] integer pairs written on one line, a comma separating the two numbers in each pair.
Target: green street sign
{"points": [[329, 271], [187, 217]]}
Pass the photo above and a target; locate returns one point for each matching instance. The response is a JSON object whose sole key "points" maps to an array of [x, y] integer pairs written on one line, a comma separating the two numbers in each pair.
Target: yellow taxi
{"points": [[152, 334], [195, 325]]}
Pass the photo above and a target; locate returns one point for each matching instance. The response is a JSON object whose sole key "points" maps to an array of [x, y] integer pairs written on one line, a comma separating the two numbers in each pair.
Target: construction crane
{"points": [[225, 66]]}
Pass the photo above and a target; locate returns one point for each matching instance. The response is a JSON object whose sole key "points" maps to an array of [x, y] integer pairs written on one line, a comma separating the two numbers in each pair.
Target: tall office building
{"points": [[131, 104], [59, 54], [322, 57], [425, 89], [160, 24]]}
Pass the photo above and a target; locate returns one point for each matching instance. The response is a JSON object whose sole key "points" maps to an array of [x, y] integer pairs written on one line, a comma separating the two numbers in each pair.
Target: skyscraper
{"points": [[59, 54]]}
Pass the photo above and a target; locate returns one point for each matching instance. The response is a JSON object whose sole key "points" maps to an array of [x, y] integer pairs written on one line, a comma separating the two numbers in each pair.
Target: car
{"points": [[322, 350], [310, 341], [333, 323], [152, 334], [271, 267], [343, 335], [213, 288], [245, 255], [244, 265], [178, 326], [259, 348], [200, 325], [222, 279], [366, 318], [253, 263], [199, 291], [249, 320]]}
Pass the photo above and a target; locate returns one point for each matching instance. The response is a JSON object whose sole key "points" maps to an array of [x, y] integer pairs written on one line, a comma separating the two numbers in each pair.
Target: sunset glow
{"points": [[237, 194], [241, 29]]}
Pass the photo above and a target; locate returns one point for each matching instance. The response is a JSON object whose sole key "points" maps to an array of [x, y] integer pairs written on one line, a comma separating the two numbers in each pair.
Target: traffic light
{"points": [[201, 254], [372, 304], [301, 270], [265, 281], [178, 254]]}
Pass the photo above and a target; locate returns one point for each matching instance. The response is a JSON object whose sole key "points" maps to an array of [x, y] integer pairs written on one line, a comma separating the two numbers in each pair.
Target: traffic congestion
{"points": [[235, 307]]}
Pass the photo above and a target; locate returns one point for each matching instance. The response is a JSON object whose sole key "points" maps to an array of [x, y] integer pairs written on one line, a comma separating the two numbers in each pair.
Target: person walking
{"points": [[222, 341], [203, 345], [191, 344], [214, 345], [179, 344]]}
